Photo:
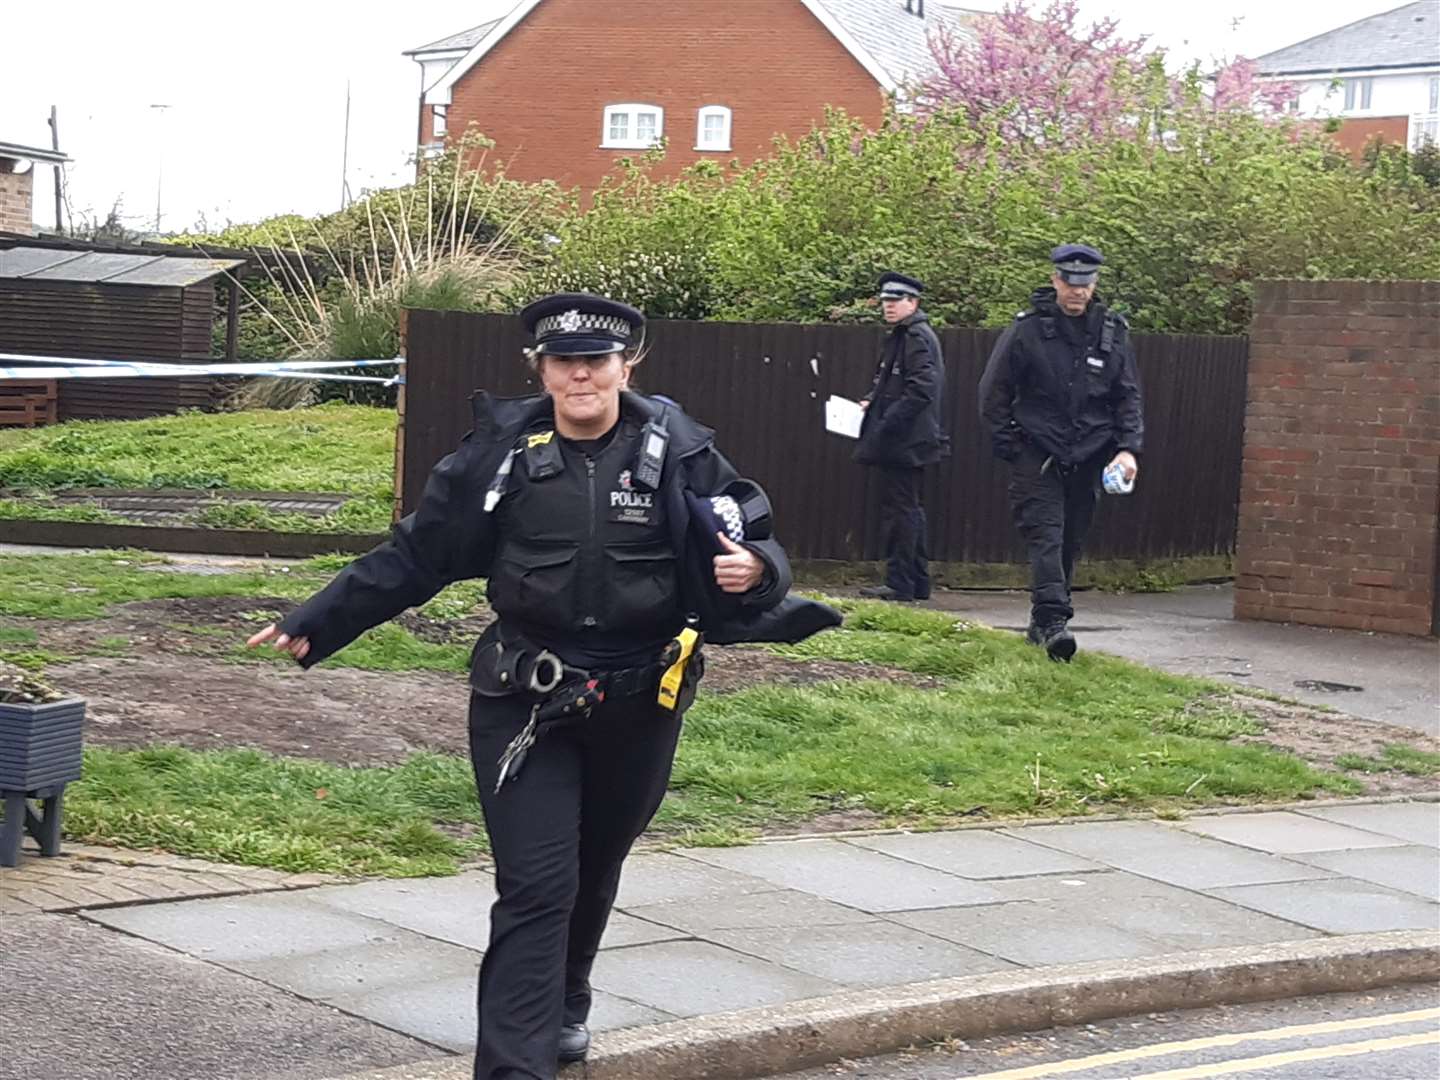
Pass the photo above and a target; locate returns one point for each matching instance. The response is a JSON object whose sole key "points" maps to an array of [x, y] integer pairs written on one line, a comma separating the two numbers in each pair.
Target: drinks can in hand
{"points": [[1115, 482]]}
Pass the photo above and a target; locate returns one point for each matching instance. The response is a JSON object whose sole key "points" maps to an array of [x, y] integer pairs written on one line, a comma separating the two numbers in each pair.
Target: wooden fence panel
{"points": [[763, 387]]}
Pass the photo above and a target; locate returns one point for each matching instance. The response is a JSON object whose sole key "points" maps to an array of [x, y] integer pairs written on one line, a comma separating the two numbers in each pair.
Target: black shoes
{"points": [[1056, 639], [884, 592], [574, 1043]]}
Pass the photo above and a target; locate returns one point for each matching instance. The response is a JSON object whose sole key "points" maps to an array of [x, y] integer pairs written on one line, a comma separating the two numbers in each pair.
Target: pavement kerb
{"points": [[803, 1034]]}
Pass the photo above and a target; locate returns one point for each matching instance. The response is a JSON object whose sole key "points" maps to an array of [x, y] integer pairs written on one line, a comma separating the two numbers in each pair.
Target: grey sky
{"points": [[256, 92]]}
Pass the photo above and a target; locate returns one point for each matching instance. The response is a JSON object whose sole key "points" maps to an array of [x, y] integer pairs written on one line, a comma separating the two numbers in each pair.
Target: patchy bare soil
{"points": [[176, 684], [1320, 737], [174, 679]]}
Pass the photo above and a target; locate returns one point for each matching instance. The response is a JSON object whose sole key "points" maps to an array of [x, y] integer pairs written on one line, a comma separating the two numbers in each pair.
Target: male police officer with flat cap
{"points": [[1061, 398], [902, 433]]}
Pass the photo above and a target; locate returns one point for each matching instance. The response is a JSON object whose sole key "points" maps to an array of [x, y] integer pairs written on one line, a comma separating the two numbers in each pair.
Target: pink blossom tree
{"points": [[1044, 79]]}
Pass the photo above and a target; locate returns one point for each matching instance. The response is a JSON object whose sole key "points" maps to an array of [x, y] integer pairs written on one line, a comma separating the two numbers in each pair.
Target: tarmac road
{"points": [[1383, 1035]]}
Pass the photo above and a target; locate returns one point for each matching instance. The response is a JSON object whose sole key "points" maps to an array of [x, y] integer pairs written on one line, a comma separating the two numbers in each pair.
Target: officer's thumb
{"points": [[729, 545]]}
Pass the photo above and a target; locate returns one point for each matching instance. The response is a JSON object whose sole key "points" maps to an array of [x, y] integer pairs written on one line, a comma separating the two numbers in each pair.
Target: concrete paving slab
{"points": [[663, 877], [1167, 853], [362, 969], [1414, 822], [1412, 869], [248, 928], [1032, 934], [846, 874], [783, 908], [117, 1008], [454, 909], [624, 930], [1284, 833], [439, 1011], [1337, 906], [976, 853], [695, 978], [870, 954]]}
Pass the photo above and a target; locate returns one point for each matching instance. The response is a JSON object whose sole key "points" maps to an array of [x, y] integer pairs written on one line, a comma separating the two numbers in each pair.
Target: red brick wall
{"points": [[1355, 132], [1340, 487], [541, 92], [16, 198]]}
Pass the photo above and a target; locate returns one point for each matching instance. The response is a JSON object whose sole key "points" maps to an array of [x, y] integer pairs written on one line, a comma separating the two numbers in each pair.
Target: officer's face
{"points": [[895, 310], [1073, 299], [586, 390]]}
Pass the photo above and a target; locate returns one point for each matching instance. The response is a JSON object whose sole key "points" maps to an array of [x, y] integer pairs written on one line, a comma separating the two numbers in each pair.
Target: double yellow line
{"points": [[1239, 1065]]}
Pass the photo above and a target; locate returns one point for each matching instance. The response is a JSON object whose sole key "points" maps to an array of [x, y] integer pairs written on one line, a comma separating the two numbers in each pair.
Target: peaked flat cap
{"points": [[581, 324]]}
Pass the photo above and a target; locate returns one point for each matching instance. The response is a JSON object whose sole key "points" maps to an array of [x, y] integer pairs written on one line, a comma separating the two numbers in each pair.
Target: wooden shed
{"points": [[76, 301]]}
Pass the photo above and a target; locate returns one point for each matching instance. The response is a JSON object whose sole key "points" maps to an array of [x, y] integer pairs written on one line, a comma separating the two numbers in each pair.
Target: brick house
{"points": [[566, 87], [1378, 76], [17, 184]]}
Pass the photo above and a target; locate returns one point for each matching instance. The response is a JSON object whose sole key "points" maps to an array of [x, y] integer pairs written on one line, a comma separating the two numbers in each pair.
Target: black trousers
{"points": [[1053, 511], [559, 832], [907, 555]]}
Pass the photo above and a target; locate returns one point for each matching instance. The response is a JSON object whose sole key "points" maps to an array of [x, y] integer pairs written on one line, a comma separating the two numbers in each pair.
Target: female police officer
{"points": [[610, 529]]}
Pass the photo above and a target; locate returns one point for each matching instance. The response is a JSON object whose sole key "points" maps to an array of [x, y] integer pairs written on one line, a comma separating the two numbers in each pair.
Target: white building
{"points": [[1380, 75]]}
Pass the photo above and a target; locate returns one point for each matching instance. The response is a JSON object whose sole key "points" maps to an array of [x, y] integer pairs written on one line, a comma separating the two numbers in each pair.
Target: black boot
{"points": [[1032, 633], [574, 1043], [1059, 642]]}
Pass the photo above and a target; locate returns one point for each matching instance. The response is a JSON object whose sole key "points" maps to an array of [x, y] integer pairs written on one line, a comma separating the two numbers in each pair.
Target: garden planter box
{"points": [[40, 744]]}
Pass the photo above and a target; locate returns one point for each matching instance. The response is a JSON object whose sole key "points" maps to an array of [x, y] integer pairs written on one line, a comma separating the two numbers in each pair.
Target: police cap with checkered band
{"points": [[895, 286], [741, 512], [582, 324]]}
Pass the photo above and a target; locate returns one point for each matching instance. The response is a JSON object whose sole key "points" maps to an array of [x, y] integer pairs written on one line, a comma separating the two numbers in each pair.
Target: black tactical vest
{"points": [[585, 565]]}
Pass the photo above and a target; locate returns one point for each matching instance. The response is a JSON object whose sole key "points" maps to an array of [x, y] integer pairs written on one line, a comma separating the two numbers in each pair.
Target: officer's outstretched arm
{"points": [[997, 398], [447, 538]]}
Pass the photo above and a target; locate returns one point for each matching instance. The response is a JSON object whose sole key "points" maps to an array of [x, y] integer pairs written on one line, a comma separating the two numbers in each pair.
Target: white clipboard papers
{"points": [[843, 416]]}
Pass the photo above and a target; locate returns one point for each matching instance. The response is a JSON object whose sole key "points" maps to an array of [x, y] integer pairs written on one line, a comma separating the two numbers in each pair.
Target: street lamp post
{"points": [[160, 167]]}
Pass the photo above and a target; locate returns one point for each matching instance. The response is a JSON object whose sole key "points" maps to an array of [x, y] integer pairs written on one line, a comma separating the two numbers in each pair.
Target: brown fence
{"points": [[763, 388]]}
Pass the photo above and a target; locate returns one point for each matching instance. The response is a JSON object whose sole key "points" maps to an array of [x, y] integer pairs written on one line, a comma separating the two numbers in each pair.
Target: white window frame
{"points": [[1434, 93], [723, 146], [438, 120], [630, 140], [1358, 93]]}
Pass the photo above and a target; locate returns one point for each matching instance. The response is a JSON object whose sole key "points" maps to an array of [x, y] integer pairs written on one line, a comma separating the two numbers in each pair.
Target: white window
{"points": [[632, 127], [1357, 93], [437, 121], [1435, 93], [712, 129]]}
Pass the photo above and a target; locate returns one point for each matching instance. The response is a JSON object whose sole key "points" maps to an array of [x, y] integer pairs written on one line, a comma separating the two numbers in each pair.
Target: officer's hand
{"points": [[864, 404], [739, 569], [1126, 460], [296, 647]]}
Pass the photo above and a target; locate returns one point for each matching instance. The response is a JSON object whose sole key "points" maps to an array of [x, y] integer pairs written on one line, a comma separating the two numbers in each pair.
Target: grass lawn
{"points": [[328, 448], [998, 732]]}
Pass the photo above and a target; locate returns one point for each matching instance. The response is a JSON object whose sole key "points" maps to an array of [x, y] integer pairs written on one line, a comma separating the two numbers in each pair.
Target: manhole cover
{"points": [[1322, 686]]}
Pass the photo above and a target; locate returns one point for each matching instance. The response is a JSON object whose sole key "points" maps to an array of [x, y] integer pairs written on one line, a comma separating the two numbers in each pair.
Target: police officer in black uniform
{"points": [[902, 433], [1061, 398], [614, 535]]}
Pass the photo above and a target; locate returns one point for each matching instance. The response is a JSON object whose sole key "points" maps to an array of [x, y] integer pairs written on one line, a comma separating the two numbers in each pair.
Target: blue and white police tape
{"points": [[31, 367]]}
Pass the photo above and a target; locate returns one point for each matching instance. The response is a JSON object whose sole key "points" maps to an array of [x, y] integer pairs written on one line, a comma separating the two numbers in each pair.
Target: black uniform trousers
{"points": [[559, 832], [903, 526], [1053, 510]]}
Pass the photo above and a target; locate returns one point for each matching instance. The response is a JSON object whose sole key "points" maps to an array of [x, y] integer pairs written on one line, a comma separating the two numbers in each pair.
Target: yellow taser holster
{"points": [[674, 677]]}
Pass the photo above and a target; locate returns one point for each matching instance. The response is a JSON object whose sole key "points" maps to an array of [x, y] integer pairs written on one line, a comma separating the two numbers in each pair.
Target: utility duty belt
{"points": [[561, 693]]}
